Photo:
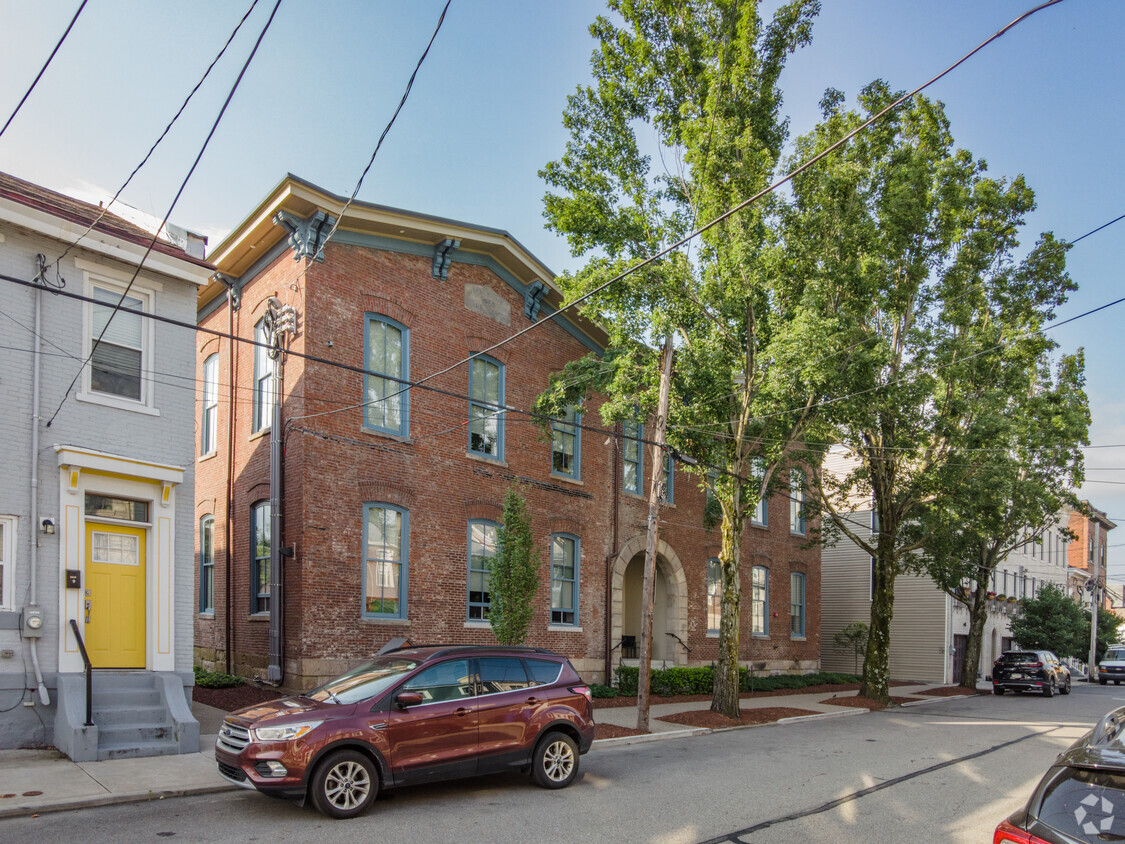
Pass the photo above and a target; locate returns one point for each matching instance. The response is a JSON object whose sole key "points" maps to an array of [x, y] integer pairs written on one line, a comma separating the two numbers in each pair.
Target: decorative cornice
{"points": [[305, 235], [533, 299], [234, 288], [443, 257]]}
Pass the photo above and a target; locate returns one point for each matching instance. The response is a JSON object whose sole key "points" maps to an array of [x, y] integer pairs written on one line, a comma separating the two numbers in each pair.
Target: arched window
{"points": [[260, 557], [386, 531], [207, 563], [797, 605], [386, 350], [483, 543], [565, 554], [759, 601]]}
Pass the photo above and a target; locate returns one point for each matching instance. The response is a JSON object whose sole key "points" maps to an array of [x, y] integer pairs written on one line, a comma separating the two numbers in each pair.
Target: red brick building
{"points": [[1086, 555], [390, 500]]}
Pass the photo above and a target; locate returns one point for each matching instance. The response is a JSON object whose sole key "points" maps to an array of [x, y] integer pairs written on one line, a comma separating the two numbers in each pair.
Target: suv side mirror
{"points": [[406, 699]]}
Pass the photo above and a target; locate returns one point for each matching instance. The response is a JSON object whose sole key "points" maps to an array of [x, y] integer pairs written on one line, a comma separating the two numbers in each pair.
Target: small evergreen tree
{"points": [[1052, 621], [514, 575], [853, 638]]}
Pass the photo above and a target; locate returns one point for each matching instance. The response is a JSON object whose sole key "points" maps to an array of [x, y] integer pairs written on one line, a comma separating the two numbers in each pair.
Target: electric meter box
{"points": [[32, 622]]}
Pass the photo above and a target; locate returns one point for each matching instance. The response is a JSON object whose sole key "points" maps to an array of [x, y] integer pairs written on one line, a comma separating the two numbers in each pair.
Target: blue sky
{"points": [[1046, 101]]}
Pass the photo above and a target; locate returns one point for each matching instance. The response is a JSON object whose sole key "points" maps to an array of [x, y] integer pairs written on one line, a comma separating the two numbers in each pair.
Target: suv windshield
{"points": [[1020, 658], [1114, 653], [1086, 805], [366, 681]]}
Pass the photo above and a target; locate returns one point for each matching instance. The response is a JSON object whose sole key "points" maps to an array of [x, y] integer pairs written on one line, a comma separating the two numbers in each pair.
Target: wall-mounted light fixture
{"points": [[47, 526]]}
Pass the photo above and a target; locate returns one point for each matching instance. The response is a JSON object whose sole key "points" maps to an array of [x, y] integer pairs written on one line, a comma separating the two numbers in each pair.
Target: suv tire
{"points": [[1103, 682], [1065, 690], [1049, 689], [345, 784], [555, 763], [998, 690]]}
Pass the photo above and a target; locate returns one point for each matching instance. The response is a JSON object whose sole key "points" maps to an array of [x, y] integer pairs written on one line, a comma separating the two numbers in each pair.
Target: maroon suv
{"points": [[409, 716]]}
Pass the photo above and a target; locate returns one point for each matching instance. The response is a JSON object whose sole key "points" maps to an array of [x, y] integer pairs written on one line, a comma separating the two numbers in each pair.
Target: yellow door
{"points": [[115, 596]]}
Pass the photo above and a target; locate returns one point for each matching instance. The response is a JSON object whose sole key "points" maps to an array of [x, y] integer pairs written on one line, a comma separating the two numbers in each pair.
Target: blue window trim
{"points": [[633, 431], [257, 510], [257, 423], [469, 603], [490, 407], [794, 579], [404, 553], [404, 375], [669, 479], [797, 524], [208, 422], [714, 564], [206, 567], [765, 632], [574, 585], [573, 423]]}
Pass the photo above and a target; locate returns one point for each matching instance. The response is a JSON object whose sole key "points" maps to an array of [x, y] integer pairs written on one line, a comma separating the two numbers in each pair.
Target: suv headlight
{"points": [[288, 732]]}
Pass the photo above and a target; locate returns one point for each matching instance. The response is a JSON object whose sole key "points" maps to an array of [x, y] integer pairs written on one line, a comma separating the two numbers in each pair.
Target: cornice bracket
{"points": [[306, 236], [533, 297], [443, 257]]}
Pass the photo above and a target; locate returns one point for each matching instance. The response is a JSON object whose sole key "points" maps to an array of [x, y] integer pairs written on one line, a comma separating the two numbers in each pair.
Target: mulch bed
{"points": [[236, 697], [620, 700], [951, 691], [714, 720], [613, 731]]}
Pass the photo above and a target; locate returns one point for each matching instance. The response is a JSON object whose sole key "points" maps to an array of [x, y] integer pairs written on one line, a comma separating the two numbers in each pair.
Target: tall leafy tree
{"points": [[513, 577], [1019, 470], [915, 228], [1052, 621], [693, 82]]}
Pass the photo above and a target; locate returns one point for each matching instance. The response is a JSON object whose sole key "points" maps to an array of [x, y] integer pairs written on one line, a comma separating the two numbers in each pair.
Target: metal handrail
{"points": [[89, 676]]}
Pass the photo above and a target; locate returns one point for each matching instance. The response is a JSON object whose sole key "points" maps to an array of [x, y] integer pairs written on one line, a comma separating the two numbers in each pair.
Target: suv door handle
{"points": [[531, 701], [461, 712]]}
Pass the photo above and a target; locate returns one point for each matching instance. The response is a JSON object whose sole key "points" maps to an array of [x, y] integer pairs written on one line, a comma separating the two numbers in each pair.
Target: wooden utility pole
{"points": [[656, 496]]}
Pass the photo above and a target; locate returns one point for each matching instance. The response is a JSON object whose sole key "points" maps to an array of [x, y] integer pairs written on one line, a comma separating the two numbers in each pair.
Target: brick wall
{"points": [[328, 479]]}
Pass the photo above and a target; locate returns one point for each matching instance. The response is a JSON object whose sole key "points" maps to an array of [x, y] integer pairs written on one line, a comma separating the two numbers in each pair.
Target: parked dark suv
{"points": [[409, 716], [1030, 671], [1081, 798]]}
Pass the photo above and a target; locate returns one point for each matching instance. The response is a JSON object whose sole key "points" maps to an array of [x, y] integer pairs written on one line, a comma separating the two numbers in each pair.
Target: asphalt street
{"points": [[948, 771]]}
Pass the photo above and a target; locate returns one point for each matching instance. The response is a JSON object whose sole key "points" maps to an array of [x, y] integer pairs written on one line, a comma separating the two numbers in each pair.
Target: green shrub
{"points": [[668, 682], [602, 691], [215, 679]]}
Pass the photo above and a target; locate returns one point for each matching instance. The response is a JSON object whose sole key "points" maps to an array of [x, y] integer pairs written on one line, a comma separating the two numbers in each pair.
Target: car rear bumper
{"points": [[1020, 685]]}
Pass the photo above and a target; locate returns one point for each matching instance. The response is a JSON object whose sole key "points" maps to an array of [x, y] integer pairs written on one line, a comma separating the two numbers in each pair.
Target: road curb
{"points": [[855, 710], [112, 800], [933, 700], [647, 737]]}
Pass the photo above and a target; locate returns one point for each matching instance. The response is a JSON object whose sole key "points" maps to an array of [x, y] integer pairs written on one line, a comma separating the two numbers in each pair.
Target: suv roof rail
{"points": [[443, 649]]}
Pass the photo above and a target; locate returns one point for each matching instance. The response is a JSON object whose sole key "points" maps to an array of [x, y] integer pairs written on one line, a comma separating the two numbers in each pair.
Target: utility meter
{"points": [[33, 622]]}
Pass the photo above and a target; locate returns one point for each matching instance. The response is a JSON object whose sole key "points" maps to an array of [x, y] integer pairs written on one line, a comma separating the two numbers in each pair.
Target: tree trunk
{"points": [[875, 683], [725, 697], [978, 614], [655, 502]]}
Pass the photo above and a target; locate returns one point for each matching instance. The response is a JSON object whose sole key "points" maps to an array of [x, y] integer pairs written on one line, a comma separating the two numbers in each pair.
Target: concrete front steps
{"points": [[135, 713]]}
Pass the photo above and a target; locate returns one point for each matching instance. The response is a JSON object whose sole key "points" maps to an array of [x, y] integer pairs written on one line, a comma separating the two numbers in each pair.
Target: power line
{"points": [[750, 200], [171, 207], [152, 149], [1099, 228], [375, 152], [43, 69]]}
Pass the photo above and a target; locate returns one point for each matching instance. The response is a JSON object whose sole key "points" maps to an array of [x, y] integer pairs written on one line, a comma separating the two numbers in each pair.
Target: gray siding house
{"points": [[96, 507]]}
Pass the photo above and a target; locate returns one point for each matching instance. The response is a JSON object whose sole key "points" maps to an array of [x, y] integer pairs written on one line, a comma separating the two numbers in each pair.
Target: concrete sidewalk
{"points": [[34, 781]]}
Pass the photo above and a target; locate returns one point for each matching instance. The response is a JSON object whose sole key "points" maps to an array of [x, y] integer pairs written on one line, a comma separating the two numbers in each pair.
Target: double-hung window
{"points": [[260, 557], [483, 544], [263, 380], [208, 440], [121, 360], [797, 605], [566, 445], [207, 564], [759, 601], [7, 560], [564, 579], [385, 569], [797, 502], [386, 351], [486, 402], [632, 457], [714, 595]]}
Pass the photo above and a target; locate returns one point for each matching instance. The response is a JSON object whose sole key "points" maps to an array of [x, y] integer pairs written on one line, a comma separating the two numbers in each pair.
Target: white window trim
{"points": [[96, 274], [203, 430], [8, 555]]}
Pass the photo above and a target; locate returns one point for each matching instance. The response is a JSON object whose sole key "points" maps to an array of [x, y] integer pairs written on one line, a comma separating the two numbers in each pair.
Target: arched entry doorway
{"points": [[669, 617]]}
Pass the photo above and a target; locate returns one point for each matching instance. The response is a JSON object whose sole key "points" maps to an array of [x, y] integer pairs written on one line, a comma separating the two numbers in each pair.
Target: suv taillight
{"points": [[1035, 665], [1008, 833], [584, 691]]}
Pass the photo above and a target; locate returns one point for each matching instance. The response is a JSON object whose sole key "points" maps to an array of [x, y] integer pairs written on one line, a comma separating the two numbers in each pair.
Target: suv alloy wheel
{"points": [[556, 761], [345, 784]]}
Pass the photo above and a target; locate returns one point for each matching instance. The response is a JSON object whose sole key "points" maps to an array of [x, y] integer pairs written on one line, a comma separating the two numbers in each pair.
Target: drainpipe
{"points": [[232, 360], [610, 559], [1095, 594], [283, 321], [33, 583]]}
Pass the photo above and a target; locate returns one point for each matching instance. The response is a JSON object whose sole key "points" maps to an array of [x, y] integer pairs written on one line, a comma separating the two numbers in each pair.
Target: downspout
{"points": [[612, 556], [33, 581], [275, 671], [232, 361]]}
